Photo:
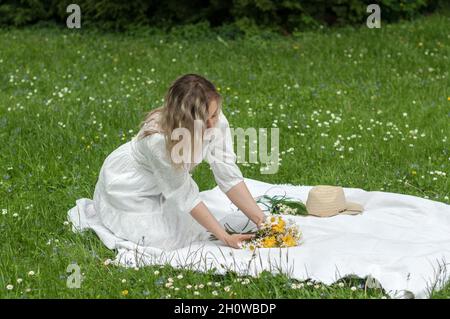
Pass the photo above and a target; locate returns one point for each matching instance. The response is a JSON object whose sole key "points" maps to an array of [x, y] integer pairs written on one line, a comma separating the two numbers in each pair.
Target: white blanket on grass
{"points": [[401, 241]]}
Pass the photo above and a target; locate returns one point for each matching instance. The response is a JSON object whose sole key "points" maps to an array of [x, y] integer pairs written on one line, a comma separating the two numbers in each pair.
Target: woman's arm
{"points": [[227, 174], [204, 217], [242, 198]]}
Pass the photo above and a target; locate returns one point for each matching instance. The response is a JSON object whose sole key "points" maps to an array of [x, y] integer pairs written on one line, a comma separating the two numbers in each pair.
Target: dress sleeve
{"points": [[181, 193], [221, 156]]}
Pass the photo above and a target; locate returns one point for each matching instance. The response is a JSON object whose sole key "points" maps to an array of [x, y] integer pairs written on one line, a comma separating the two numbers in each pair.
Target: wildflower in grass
{"points": [[439, 173], [156, 272], [215, 293], [180, 276], [31, 273], [4, 211], [9, 287], [124, 281], [125, 292], [188, 286], [227, 288], [353, 288], [107, 262], [196, 293], [19, 280]]}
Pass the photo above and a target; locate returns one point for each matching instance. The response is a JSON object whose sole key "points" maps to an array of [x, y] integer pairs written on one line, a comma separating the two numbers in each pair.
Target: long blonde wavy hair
{"points": [[187, 100]]}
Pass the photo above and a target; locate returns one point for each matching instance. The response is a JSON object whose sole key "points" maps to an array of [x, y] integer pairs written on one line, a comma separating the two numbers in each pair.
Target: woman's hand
{"points": [[260, 220], [235, 240]]}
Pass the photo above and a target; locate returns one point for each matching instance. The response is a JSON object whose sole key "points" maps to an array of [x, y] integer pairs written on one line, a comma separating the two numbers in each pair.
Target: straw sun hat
{"points": [[326, 201]]}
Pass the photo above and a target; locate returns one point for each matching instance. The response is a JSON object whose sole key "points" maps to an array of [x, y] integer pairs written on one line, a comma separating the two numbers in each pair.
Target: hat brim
{"points": [[353, 209]]}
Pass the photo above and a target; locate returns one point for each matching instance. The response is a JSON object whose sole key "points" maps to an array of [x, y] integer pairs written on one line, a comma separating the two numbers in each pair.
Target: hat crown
{"points": [[325, 200]]}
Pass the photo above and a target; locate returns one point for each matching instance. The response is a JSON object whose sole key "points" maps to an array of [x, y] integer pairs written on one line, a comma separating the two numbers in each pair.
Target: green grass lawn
{"points": [[366, 108]]}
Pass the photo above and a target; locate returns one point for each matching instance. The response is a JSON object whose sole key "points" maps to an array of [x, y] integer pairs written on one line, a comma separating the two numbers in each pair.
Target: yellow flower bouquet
{"points": [[275, 232]]}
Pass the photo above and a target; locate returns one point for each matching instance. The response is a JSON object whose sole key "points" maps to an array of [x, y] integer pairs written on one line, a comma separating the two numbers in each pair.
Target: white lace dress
{"points": [[141, 197]]}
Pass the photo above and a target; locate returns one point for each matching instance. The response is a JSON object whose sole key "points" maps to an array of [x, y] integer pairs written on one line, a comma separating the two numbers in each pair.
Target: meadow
{"points": [[356, 107]]}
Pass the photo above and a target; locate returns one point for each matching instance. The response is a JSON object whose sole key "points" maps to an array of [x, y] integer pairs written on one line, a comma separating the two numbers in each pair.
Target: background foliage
{"points": [[240, 15]]}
